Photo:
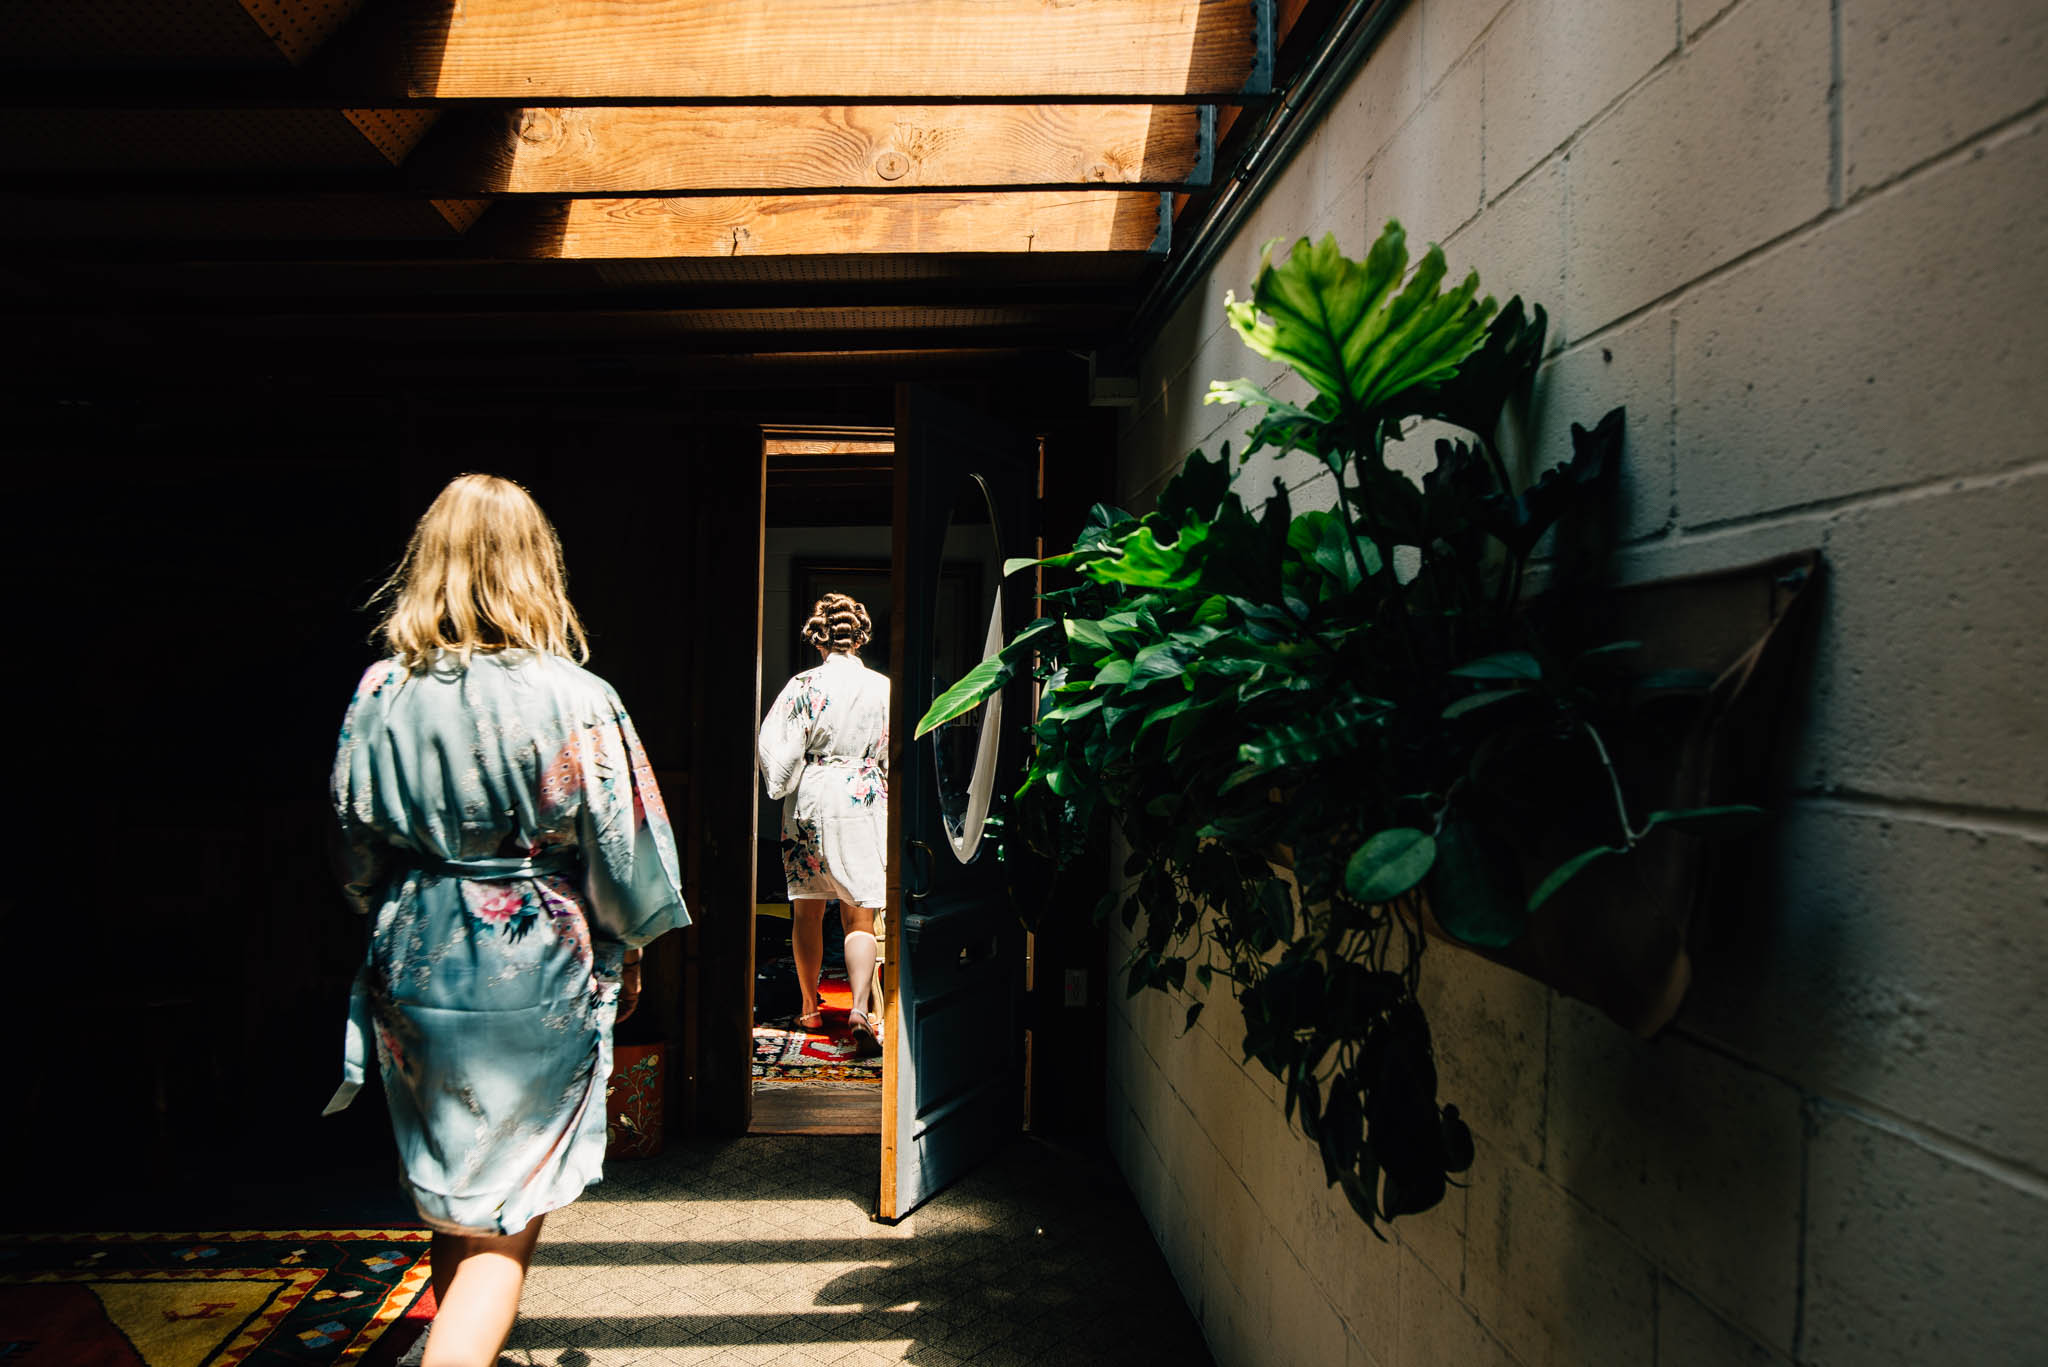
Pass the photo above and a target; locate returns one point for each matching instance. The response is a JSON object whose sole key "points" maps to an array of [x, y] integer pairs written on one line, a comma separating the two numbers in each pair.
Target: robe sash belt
{"points": [[355, 1043], [844, 761]]}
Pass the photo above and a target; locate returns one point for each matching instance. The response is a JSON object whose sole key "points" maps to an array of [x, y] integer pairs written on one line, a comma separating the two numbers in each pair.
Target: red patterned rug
{"points": [[317, 1298], [785, 1051]]}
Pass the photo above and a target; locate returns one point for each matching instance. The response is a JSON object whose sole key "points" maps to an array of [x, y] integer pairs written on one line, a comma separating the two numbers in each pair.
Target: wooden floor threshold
{"points": [[816, 1108]]}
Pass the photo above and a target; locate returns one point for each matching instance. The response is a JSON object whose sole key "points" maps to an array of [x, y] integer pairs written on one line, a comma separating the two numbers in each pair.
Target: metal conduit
{"points": [[1288, 123]]}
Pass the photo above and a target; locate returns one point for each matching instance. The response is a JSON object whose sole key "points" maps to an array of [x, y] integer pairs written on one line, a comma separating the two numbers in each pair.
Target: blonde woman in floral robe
{"points": [[501, 825], [824, 751]]}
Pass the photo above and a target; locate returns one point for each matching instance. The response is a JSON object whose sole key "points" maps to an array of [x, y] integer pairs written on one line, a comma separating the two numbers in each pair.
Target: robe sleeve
{"points": [[360, 854], [786, 737], [632, 878]]}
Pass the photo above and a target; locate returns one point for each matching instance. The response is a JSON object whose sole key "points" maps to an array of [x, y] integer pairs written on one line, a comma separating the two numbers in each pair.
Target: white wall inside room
{"points": [[1806, 244], [782, 654]]}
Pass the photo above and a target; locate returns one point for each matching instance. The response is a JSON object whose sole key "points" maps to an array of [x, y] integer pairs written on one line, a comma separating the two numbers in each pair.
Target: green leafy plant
{"points": [[1319, 733]]}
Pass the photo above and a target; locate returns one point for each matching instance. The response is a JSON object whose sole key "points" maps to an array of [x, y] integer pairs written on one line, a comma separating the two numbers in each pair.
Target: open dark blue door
{"points": [[966, 497]]}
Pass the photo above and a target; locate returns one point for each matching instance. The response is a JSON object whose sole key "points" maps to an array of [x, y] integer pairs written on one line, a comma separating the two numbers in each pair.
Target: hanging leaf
{"points": [[1732, 819], [1565, 872], [1509, 664], [990, 676], [985, 678], [1675, 681], [1388, 865], [1475, 887], [1473, 702]]}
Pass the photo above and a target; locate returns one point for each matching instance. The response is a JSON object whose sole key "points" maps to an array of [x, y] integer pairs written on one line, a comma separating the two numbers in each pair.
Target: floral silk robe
{"points": [[825, 752], [502, 826]]}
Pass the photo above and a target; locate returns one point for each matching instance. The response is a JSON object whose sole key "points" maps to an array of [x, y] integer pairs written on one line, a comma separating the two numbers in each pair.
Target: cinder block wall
{"points": [[1806, 243]]}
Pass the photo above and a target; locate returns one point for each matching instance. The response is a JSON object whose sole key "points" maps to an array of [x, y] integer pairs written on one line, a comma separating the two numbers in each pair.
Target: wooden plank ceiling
{"points": [[738, 177]]}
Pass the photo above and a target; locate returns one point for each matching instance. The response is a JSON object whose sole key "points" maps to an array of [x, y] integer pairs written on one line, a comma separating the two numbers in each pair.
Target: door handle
{"points": [[910, 889]]}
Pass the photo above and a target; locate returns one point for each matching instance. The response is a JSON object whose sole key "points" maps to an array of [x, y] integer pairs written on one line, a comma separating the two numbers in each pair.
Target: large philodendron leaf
{"points": [[988, 677], [1144, 561], [1351, 329], [1499, 369]]}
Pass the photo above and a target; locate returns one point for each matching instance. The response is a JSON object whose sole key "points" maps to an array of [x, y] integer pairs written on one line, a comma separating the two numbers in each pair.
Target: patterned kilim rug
{"points": [[312, 1299], [785, 1051]]}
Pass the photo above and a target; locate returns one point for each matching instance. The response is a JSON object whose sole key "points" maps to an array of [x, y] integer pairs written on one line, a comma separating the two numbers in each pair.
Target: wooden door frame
{"points": [[892, 930], [746, 984]]}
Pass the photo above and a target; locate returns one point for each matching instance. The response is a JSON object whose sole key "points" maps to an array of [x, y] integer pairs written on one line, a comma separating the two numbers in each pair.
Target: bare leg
{"points": [[477, 1281], [807, 944], [861, 953]]}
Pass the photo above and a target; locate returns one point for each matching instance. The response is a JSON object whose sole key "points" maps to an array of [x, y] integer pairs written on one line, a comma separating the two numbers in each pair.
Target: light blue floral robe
{"points": [[503, 826], [824, 750]]}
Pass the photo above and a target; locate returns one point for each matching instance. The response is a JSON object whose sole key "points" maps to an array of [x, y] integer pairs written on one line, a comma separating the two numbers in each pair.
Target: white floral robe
{"points": [[825, 752]]}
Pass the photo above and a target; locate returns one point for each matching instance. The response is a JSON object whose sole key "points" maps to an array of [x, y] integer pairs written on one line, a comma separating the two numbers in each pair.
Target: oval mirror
{"points": [[968, 628]]}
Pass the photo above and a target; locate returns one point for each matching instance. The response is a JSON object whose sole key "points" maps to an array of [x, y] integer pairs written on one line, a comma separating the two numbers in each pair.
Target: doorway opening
{"points": [[827, 515]]}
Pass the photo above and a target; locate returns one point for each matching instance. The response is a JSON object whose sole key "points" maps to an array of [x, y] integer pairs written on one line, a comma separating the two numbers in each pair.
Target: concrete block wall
{"points": [[1806, 243]]}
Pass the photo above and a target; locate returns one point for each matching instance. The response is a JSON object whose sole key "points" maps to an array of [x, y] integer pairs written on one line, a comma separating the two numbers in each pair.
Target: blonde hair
{"points": [[483, 572]]}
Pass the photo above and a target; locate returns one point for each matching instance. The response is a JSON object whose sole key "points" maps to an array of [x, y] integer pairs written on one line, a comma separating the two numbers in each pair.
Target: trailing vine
{"points": [[1318, 733]]}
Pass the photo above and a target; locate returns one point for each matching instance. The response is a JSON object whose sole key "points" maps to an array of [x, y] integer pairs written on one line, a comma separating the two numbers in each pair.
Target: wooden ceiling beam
{"points": [[430, 337], [647, 151], [423, 53], [574, 51], [175, 221], [786, 297], [1034, 222], [654, 151], [419, 318]]}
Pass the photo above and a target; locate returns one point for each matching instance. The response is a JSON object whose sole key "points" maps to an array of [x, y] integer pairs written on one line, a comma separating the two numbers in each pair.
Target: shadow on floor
{"points": [[761, 1251]]}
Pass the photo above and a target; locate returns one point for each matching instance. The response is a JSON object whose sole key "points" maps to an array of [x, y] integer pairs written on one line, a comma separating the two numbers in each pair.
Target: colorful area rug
{"points": [[327, 1298], [785, 1051]]}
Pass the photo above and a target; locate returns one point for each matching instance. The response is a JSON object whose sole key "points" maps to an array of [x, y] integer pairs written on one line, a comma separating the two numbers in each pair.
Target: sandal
{"points": [[811, 1020], [867, 1036]]}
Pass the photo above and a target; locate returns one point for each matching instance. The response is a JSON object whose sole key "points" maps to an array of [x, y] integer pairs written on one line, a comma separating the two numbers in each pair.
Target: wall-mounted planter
{"points": [[1622, 935]]}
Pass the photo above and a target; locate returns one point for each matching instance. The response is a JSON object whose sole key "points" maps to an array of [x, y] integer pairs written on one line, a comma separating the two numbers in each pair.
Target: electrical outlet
{"points": [[1076, 985]]}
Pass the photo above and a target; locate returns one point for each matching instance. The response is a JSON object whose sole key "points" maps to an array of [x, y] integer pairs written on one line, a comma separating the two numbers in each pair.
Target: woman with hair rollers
{"points": [[824, 751]]}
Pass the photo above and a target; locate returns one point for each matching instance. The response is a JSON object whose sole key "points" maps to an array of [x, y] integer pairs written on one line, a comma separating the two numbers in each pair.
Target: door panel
{"points": [[954, 1086]]}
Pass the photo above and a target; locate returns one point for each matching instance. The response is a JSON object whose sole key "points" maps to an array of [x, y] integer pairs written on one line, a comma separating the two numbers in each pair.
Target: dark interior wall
{"points": [[192, 567], [192, 561]]}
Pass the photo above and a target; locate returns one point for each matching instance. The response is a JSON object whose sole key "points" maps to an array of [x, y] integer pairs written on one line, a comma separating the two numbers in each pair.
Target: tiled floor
{"points": [[759, 1251]]}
